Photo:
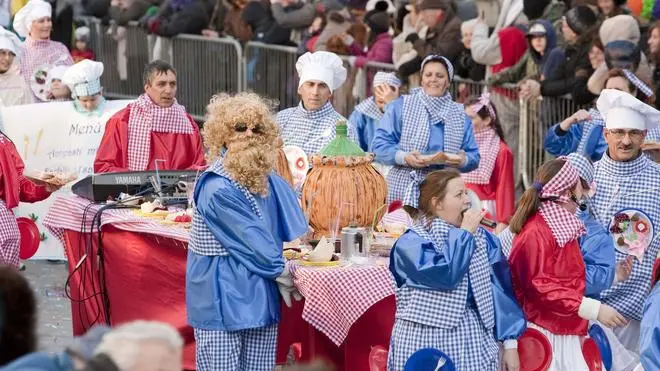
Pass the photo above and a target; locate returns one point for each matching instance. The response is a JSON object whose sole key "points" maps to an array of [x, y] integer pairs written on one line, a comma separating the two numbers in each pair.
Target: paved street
{"points": [[48, 280]]}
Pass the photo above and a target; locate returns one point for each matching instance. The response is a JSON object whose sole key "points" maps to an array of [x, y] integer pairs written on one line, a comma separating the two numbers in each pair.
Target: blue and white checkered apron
{"points": [[629, 185], [306, 129], [369, 108], [420, 111], [443, 319], [243, 350], [202, 241], [596, 123]]}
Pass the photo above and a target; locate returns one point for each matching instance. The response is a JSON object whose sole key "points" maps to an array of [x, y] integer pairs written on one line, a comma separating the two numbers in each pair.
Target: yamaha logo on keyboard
{"points": [[127, 179]]}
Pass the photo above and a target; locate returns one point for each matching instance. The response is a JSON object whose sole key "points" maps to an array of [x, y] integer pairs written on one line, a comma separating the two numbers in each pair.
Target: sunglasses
{"points": [[242, 127]]}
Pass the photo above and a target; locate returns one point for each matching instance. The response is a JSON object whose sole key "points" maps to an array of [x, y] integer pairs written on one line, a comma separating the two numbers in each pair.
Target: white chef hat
{"points": [[33, 10], [57, 72], [9, 41], [321, 66], [621, 110], [371, 5], [84, 78]]}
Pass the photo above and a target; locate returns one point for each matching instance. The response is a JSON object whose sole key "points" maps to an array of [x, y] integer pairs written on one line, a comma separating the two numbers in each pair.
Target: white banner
{"points": [[55, 137]]}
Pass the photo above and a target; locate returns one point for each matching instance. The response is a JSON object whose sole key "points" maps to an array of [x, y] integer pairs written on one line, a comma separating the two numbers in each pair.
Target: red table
{"points": [[144, 278]]}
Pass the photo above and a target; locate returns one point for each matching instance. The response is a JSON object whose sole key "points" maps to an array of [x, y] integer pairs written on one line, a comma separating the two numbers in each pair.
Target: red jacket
{"points": [[548, 280]]}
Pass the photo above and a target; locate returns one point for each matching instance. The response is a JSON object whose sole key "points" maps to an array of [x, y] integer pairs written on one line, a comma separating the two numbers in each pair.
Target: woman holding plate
{"points": [[14, 188], [425, 131]]}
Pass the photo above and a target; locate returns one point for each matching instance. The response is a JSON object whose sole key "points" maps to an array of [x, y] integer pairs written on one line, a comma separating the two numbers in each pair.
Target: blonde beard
{"points": [[249, 162]]}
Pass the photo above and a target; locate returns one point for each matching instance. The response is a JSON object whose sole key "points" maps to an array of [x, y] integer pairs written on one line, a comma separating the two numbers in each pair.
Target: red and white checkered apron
{"points": [[147, 117], [10, 237], [336, 297]]}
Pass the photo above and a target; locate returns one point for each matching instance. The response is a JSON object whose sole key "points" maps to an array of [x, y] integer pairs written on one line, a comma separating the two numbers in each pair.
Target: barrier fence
{"points": [[206, 66]]}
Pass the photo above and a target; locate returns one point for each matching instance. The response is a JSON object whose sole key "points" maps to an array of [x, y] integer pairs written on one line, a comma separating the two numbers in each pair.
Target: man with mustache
{"points": [[13, 89], [154, 132], [311, 124], [243, 214], [628, 191]]}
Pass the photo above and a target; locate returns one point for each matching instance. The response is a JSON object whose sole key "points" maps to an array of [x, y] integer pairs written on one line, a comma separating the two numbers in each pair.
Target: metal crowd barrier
{"points": [[207, 66]]}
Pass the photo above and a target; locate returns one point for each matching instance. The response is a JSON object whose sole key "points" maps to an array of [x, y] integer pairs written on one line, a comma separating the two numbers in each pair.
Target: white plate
{"points": [[627, 234], [298, 164]]}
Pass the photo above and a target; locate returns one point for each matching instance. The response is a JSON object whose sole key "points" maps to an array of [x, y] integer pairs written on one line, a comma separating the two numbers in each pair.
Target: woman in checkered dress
{"points": [[547, 267], [14, 188], [454, 286], [492, 181], [417, 126]]}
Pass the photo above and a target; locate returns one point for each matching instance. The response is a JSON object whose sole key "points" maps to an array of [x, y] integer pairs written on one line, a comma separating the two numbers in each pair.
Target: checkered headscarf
{"points": [[388, 78], [146, 117], [564, 225], [444, 61]]}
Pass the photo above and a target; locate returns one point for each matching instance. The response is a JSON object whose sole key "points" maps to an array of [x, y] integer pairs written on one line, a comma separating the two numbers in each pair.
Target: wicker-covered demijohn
{"points": [[342, 174], [282, 164]]}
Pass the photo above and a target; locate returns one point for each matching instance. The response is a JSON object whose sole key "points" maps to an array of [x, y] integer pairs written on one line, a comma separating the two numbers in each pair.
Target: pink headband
{"points": [[484, 101]]}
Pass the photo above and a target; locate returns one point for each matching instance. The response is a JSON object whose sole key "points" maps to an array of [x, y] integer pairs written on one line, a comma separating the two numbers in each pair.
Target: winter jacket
{"points": [[235, 26], [467, 68], [133, 13], [532, 64], [190, 18], [566, 80], [379, 51], [444, 39], [263, 26]]}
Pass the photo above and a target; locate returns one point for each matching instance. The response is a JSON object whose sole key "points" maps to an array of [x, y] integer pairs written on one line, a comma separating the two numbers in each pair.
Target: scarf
{"points": [[489, 146], [146, 117]]}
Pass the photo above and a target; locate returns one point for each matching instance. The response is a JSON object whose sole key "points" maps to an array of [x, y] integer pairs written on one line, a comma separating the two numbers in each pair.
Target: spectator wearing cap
{"points": [[416, 127], [621, 36], [81, 50], [534, 64], [579, 25], [506, 45], [13, 89], [38, 53], [368, 113], [443, 36], [466, 67]]}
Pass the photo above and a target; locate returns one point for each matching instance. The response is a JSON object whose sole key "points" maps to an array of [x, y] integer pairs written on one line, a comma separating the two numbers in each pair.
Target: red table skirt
{"points": [[145, 279]]}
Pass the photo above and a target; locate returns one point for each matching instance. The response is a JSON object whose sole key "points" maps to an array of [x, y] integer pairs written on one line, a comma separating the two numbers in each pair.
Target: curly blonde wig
{"points": [[250, 155]]}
